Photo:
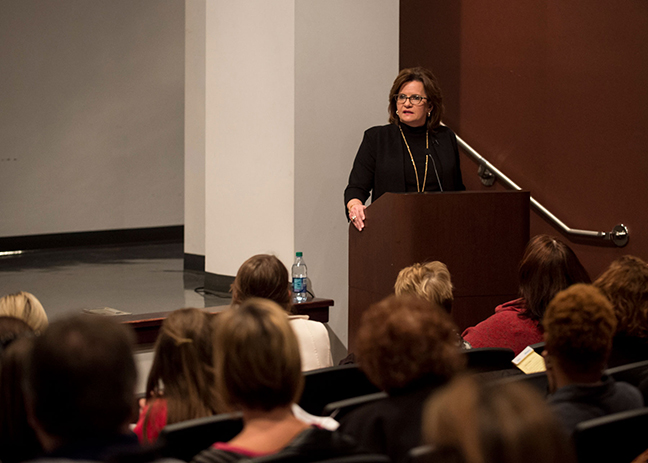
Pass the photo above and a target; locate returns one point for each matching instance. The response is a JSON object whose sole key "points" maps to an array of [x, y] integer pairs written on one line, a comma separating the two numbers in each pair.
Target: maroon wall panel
{"points": [[555, 95]]}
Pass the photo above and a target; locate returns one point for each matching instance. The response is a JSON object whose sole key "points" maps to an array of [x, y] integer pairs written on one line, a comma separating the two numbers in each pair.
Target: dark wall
{"points": [[553, 94]]}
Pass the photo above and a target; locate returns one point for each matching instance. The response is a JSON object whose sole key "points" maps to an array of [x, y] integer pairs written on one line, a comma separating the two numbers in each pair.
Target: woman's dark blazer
{"points": [[378, 167]]}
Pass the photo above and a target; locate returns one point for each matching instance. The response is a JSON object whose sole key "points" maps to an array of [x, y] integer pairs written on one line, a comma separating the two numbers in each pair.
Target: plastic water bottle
{"points": [[299, 279]]}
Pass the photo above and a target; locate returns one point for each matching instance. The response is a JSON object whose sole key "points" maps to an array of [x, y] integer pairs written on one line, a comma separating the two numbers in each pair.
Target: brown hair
{"points": [[430, 280], [625, 283], [18, 441], [548, 266], [579, 326], [432, 92], [481, 423], [11, 329], [403, 339], [183, 368], [25, 306], [263, 276], [81, 379], [257, 357]]}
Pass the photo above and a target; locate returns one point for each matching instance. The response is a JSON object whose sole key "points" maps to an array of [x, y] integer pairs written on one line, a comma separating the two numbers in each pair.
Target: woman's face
{"points": [[414, 115]]}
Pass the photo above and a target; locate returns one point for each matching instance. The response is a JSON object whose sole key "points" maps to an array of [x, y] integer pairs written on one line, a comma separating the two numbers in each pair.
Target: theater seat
{"points": [[186, 439], [616, 438], [484, 359], [633, 373], [538, 381], [341, 408], [327, 385]]}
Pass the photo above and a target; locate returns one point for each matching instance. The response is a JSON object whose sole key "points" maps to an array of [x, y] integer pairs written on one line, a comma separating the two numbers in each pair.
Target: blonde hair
{"points": [[257, 360], [430, 280], [505, 423], [26, 307]]}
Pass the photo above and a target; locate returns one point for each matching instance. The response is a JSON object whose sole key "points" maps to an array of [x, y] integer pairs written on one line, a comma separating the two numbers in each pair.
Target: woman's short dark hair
{"points": [[403, 338], [579, 326], [81, 377], [263, 276], [548, 267], [432, 92]]}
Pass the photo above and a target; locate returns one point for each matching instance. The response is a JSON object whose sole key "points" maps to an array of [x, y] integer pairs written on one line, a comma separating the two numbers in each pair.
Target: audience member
{"points": [[80, 389], [181, 382], [625, 284], [430, 281], [579, 326], [548, 266], [266, 276], [258, 372], [12, 328], [25, 306], [18, 442], [470, 422], [407, 348]]}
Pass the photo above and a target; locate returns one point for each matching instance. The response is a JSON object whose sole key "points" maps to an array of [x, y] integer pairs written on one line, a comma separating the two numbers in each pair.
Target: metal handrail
{"points": [[489, 173]]}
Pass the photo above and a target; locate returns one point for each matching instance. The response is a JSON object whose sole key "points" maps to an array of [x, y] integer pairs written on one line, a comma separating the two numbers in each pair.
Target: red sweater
{"points": [[157, 419], [505, 329]]}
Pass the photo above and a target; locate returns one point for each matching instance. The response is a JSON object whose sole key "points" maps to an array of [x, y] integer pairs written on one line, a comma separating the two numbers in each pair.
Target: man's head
{"points": [[81, 379], [579, 325]]}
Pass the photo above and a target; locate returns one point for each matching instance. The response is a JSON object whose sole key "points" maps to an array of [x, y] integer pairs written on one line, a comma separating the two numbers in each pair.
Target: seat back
{"points": [[538, 347], [620, 437], [633, 373], [433, 454], [538, 381], [186, 439], [484, 359], [367, 458], [332, 384], [300, 458], [341, 408]]}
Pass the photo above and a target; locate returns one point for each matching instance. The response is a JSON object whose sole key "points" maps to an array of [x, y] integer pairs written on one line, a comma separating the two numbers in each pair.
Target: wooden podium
{"points": [[480, 236]]}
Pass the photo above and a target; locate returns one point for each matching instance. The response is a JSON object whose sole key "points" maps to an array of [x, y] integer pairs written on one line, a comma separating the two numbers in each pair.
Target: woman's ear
{"points": [[551, 378]]}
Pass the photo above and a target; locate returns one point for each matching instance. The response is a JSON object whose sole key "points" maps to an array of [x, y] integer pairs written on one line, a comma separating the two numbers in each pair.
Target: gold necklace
{"points": [[427, 139]]}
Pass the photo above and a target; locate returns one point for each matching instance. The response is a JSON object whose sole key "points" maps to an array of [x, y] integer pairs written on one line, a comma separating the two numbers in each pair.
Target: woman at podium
{"points": [[413, 153]]}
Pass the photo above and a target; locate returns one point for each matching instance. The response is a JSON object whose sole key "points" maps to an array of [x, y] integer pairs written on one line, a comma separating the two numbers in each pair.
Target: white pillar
{"points": [[194, 139], [290, 86]]}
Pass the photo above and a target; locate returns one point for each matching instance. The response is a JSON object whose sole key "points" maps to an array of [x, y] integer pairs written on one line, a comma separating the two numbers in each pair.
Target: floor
{"points": [[135, 279]]}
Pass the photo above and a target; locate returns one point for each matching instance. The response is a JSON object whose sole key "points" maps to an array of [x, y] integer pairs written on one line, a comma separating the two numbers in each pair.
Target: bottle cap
{"points": [[299, 254]]}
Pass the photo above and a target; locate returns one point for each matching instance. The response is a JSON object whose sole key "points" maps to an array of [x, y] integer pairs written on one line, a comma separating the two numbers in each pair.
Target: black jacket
{"points": [[378, 167]]}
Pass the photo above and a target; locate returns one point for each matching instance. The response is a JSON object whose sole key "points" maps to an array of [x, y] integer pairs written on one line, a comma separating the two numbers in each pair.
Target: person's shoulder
{"points": [[319, 442], [515, 306], [381, 130], [368, 414], [631, 393], [304, 322]]}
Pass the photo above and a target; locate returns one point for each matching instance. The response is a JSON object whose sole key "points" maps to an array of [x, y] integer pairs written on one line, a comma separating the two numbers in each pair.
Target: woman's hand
{"points": [[356, 213]]}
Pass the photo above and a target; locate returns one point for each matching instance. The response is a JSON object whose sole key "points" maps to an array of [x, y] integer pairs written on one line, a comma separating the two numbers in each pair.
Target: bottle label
{"points": [[299, 285]]}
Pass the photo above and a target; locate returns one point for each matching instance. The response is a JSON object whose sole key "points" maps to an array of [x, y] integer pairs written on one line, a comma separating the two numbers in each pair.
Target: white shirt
{"points": [[314, 342]]}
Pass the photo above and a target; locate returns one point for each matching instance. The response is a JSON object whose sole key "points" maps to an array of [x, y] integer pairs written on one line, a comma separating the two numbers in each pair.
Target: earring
{"points": [[429, 113], [397, 113]]}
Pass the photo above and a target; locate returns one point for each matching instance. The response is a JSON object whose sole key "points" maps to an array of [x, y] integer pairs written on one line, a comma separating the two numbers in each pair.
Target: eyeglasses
{"points": [[414, 99]]}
